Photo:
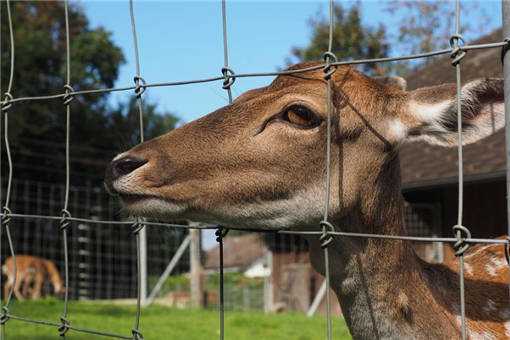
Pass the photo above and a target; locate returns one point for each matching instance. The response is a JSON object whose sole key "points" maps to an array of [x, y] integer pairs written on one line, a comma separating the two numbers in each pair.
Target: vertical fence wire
{"points": [[227, 72], [326, 239], [64, 323], [1, 174], [229, 79], [460, 230], [139, 83], [6, 211], [505, 12]]}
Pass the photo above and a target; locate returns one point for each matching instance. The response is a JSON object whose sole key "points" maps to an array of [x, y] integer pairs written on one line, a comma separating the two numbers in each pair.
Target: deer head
{"points": [[259, 162]]}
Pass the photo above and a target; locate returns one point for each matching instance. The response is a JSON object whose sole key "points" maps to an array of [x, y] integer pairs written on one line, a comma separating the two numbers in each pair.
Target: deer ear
{"points": [[433, 112]]}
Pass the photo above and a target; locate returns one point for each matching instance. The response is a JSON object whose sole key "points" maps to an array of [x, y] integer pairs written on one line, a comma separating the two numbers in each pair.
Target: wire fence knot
{"points": [[64, 222], [505, 49], [326, 238], [229, 77], [4, 315], [137, 335], [140, 86], [7, 102], [6, 218], [64, 326], [137, 226], [329, 58], [69, 94], [220, 233], [458, 52], [462, 233]]}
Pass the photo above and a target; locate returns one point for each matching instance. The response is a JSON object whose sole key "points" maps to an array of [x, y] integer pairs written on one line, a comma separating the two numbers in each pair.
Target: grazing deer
{"points": [[31, 273], [259, 163]]}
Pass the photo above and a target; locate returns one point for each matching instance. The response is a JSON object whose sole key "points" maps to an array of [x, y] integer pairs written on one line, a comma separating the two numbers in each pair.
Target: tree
{"points": [[427, 25], [351, 39], [37, 128], [125, 121]]}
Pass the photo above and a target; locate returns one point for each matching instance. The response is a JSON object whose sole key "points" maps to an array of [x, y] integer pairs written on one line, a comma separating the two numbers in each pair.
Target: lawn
{"points": [[159, 322]]}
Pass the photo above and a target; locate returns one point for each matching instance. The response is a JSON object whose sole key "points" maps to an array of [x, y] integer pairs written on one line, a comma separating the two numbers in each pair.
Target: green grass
{"points": [[160, 323]]}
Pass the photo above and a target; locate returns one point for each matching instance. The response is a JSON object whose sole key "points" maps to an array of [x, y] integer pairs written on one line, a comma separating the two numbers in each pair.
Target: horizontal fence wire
{"points": [[228, 77], [257, 74], [279, 231]]}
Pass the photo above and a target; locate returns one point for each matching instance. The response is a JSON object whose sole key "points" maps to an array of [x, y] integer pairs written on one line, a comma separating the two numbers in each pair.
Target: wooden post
{"points": [[197, 295]]}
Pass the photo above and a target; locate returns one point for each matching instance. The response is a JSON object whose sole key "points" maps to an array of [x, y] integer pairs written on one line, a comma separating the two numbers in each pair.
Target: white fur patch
{"points": [[507, 328], [153, 207], [481, 336], [468, 268], [490, 306], [427, 112], [397, 129], [296, 210], [490, 269], [498, 262]]}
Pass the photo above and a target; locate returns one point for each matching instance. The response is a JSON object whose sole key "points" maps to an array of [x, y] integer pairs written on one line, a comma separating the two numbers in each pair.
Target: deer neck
{"points": [[380, 284]]}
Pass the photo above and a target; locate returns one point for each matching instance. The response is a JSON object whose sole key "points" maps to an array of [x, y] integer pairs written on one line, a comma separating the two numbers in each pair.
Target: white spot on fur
{"points": [[491, 270], [507, 328], [498, 262], [490, 306], [397, 130], [481, 336], [468, 268], [458, 319]]}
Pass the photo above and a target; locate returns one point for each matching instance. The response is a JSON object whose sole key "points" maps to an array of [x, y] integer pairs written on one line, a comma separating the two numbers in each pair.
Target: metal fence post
{"points": [[143, 265], [197, 295]]}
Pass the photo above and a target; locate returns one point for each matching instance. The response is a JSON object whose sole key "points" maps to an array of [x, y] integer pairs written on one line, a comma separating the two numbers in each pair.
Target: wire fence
{"points": [[461, 240]]}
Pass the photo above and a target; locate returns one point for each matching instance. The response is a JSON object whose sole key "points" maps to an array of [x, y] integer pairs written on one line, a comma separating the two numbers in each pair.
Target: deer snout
{"points": [[122, 166], [125, 165]]}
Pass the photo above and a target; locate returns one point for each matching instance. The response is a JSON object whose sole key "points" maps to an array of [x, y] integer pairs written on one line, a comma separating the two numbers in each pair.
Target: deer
{"points": [[259, 163], [31, 273]]}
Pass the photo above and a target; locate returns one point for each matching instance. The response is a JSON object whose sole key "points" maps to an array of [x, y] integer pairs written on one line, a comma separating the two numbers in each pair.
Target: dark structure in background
{"points": [[429, 173]]}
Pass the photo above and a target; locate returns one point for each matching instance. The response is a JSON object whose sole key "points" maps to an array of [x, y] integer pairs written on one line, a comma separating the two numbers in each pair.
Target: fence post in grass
{"points": [[197, 294]]}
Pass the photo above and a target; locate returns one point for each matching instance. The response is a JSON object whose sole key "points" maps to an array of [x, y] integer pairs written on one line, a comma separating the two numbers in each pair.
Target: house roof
{"points": [[427, 165], [238, 251]]}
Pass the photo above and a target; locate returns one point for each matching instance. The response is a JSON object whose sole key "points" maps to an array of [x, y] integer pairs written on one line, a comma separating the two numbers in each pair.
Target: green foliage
{"points": [[37, 128], [237, 280], [160, 322], [351, 39]]}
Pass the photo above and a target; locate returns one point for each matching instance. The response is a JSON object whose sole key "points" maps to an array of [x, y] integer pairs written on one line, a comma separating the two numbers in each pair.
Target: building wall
{"points": [[484, 208]]}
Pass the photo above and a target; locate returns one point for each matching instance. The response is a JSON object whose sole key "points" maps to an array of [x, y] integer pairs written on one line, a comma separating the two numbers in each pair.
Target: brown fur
{"points": [[240, 167]]}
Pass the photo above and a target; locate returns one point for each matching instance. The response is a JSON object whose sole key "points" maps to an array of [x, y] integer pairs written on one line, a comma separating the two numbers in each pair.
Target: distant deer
{"points": [[32, 272], [259, 163]]}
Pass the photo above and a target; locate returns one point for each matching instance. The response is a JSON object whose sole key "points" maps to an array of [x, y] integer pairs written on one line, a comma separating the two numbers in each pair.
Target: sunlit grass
{"points": [[159, 322]]}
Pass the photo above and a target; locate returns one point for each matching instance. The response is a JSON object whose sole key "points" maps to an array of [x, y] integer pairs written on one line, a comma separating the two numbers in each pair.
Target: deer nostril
{"points": [[125, 165]]}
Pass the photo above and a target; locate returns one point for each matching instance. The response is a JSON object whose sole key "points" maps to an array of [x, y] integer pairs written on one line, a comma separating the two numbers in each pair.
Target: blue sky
{"points": [[183, 40]]}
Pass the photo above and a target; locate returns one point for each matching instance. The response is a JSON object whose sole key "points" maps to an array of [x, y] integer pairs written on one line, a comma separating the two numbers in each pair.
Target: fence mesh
{"points": [[64, 223]]}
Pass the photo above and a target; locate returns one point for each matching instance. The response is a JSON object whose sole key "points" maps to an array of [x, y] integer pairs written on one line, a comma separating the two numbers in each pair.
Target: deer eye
{"points": [[301, 116]]}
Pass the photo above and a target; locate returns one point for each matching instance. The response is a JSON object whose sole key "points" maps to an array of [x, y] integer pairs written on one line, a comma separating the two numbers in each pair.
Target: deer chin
{"points": [[150, 206]]}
